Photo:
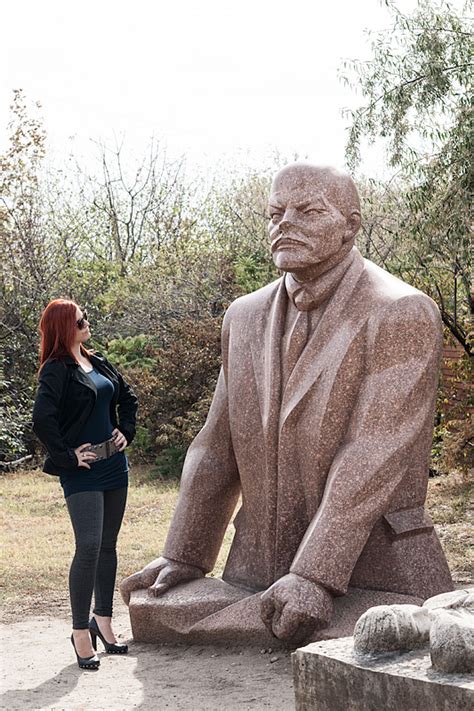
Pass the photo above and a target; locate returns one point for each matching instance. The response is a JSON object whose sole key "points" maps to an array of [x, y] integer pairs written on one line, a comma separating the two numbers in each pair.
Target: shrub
{"points": [[454, 434], [174, 382]]}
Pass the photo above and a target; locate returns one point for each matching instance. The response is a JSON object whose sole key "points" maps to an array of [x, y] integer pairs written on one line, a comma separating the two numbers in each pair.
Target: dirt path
{"points": [[39, 672]]}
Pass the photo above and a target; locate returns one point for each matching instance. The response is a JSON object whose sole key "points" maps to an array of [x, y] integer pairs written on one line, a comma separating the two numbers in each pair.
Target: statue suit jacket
{"points": [[332, 472]]}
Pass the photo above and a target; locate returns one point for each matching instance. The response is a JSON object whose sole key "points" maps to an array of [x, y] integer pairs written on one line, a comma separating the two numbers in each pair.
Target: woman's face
{"points": [[82, 334]]}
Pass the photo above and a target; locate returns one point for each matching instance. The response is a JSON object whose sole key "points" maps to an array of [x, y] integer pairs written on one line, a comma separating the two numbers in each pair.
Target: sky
{"points": [[215, 81]]}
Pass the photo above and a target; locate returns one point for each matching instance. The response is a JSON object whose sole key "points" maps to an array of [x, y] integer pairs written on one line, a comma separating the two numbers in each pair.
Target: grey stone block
{"points": [[329, 676], [452, 642]]}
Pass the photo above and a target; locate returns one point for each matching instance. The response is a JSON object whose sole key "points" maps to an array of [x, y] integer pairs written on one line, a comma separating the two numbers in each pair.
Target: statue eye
{"points": [[315, 211], [275, 216]]}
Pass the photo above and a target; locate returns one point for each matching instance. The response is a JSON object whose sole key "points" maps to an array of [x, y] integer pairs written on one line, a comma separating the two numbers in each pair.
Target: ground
{"points": [[40, 671]]}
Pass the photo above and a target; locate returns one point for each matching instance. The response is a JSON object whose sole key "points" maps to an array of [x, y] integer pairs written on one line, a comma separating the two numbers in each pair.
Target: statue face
{"points": [[306, 227]]}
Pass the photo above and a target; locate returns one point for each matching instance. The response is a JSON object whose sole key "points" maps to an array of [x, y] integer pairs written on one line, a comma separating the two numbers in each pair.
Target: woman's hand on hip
{"points": [[120, 439], [84, 456]]}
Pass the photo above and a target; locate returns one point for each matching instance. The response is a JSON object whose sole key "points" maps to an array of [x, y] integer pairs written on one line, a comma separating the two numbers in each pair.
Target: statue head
{"points": [[314, 217]]}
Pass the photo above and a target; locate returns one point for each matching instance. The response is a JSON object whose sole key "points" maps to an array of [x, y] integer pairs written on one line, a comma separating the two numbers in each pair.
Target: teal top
{"points": [[111, 473]]}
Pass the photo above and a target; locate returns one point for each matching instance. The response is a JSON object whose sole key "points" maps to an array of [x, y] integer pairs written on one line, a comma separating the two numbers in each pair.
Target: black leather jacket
{"points": [[64, 400]]}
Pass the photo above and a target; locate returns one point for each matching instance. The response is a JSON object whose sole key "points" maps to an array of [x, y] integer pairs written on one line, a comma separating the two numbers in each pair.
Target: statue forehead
{"points": [[306, 182]]}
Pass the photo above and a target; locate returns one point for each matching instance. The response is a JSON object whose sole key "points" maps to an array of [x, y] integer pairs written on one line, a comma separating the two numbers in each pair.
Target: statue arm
{"points": [[394, 407], [210, 488], [210, 483]]}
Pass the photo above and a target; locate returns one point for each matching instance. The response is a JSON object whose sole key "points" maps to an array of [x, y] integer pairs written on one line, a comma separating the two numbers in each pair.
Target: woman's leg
{"points": [[114, 507], [86, 509]]}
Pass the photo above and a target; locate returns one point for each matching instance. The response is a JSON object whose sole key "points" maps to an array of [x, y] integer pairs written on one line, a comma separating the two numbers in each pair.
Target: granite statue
{"points": [[321, 423]]}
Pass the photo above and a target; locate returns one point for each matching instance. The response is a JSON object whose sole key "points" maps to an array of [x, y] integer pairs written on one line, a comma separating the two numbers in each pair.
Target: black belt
{"points": [[103, 450]]}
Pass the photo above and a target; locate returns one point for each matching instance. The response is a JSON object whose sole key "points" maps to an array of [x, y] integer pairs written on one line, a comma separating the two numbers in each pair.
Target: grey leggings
{"points": [[96, 519]]}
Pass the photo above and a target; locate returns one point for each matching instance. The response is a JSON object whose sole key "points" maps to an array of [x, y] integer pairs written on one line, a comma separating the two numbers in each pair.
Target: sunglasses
{"points": [[81, 322]]}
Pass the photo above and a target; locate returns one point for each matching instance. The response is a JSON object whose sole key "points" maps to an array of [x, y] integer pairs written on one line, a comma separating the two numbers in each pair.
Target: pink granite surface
{"points": [[321, 421], [211, 611]]}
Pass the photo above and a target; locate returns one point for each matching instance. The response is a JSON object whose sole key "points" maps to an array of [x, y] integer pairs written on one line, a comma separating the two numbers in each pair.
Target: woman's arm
{"points": [[52, 381]]}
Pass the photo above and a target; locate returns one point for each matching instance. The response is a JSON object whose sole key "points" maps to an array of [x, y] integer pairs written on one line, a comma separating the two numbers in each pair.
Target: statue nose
{"points": [[287, 220]]}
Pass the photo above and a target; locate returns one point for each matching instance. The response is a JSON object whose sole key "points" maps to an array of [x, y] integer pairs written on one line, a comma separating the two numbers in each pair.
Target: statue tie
{"points": [[295, 344]]}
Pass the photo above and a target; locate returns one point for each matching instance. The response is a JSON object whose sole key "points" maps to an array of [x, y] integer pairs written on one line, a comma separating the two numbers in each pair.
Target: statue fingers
{"points": [[285, 624], [293, 625], [169, 576], [271, 609], [156, 565], [159, 588], [136, 581], [125, 591], [267, 609]]}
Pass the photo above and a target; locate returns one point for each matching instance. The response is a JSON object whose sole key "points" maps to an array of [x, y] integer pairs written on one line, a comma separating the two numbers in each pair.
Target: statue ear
{"points": [[353, 225]]}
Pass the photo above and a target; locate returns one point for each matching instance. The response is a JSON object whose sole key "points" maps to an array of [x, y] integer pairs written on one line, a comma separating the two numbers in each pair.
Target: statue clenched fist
{"points": [[294, 607]]}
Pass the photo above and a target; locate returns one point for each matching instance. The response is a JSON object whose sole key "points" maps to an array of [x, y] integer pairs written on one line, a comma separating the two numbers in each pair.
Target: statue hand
{"points": [[143, 579], [293, 607], [170, 573], [158, 576]]}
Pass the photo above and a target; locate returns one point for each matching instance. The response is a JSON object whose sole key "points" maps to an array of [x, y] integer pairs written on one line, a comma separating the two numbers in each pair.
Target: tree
{"points": [[155, 260], [25, 270], [135, 208], [418, 92]]}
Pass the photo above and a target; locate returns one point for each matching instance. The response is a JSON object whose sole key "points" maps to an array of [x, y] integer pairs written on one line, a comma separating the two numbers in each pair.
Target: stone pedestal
{"points": [[328, 676], [210, 611]]}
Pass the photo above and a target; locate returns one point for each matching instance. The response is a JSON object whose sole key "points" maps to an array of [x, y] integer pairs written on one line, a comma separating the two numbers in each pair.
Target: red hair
{"points": [[57, 327]]}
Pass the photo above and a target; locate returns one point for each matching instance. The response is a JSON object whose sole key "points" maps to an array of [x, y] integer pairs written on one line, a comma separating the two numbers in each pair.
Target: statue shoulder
{"points": [[394, 296], [415, 313], [250, 305], [407, 324]]}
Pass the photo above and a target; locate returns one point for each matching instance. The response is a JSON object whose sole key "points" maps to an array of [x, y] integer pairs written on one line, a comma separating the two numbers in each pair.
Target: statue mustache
{"points": [[294, 237]]}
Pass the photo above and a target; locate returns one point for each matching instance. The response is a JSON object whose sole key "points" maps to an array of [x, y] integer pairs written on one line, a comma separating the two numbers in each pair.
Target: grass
{"points": [[451, 506], [38, 541], [37, 538]]}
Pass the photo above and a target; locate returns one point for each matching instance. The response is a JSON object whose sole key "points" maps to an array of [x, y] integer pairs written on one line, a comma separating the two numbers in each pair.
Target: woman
{"points": [[85, 414]]}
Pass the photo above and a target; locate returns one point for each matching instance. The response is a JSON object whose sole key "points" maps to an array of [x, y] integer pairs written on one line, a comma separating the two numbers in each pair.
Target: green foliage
{"points": [[142, 447], [417, 84], [156, 262], [174, 392], [15, 420], [454, 441], [169, 463], [458, 446], [131, 352], [254, 271], [419, 101]]}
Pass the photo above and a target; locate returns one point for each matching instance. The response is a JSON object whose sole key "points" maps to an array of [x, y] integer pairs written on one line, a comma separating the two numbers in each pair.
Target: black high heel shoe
{"points": [[85, 662], [110, 647]]}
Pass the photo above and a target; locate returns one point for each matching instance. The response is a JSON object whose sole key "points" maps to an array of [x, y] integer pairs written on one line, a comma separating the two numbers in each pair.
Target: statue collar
{"points": [[308, 295]]}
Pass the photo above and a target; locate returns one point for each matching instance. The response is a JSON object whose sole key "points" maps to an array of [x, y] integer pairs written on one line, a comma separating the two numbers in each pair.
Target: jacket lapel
{"points": [[266, 357], [327, 344], [81, 377]]}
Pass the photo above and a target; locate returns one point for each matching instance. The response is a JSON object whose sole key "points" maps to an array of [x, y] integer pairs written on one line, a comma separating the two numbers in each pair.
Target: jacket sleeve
{"points": [[46, 410], [210, 485], [127, 405], [395, 407]]}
